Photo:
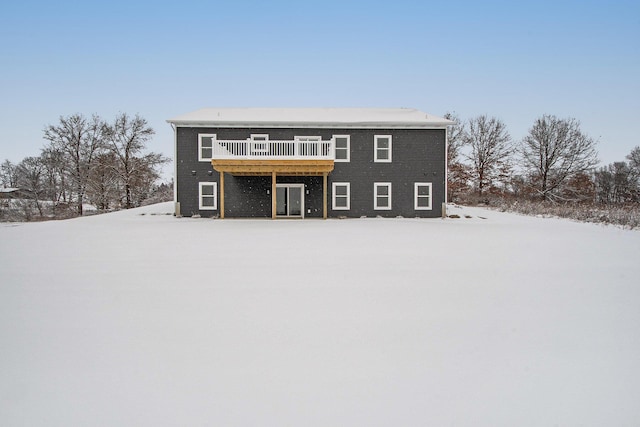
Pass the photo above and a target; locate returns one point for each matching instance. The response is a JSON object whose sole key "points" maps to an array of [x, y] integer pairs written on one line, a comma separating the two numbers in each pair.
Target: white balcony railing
{"points": [[273, 150]]}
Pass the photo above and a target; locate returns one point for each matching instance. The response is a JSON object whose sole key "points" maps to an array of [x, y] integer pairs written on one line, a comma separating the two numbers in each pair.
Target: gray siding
{"points": [[418, 155]]}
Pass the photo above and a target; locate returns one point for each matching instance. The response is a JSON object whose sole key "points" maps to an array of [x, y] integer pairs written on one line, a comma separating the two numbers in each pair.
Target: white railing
{"points": [[273, 150]]}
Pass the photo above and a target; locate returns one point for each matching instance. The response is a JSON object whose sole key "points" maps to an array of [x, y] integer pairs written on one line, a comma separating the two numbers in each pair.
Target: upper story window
{"points": [[205, 146], [259, 144], [342, 147], [382, 196], [382, 148], [307, 145], [422, 196]]}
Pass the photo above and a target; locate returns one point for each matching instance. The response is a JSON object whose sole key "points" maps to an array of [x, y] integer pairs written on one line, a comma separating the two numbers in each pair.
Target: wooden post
{"points": [[273, 195], [221, 195], [324, 196]]}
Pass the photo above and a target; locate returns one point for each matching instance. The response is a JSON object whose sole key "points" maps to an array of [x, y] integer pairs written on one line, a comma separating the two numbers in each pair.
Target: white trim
{"points": [[307, 138], [377, 185], [416, 196], [335, 148], [201, 158], [376, 148], [446, 165], [334, 196], [214, 196], [290, 125], [175, 166], [339, 118]]}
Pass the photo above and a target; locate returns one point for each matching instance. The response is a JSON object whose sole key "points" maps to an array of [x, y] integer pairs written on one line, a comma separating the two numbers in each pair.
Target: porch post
{"points": [[324, 195], [221, 195], [273, 195]]}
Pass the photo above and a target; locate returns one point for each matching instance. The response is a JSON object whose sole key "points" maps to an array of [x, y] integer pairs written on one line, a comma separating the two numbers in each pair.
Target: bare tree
{"points": [[634, 170], [80, 141], [56, 183], [8, 176], [554, 151], [30, 174], [103, 188], [490, 146], [127, 138], [457, 171], [455, 140], [634, 159]]}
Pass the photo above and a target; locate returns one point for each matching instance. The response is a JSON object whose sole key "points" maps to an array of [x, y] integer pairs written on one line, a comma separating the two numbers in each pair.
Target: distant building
{"points": [[14, 193], [309, 162]]}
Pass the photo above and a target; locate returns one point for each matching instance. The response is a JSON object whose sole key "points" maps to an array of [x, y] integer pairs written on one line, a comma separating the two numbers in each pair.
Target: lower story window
{"points": [[208, 196], [422, 196], [341, 192], [382, 196]]}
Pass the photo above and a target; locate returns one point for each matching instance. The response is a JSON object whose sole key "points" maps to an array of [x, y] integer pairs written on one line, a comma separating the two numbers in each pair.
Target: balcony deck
{"points": [[272, 150], [265, 158]]}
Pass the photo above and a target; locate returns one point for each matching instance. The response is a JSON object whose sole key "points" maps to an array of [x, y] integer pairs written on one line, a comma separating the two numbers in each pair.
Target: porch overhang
{"points": [[269, 167]]}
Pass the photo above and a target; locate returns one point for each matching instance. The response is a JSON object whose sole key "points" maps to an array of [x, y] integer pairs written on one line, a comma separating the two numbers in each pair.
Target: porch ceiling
{"points": [[268, 167]]}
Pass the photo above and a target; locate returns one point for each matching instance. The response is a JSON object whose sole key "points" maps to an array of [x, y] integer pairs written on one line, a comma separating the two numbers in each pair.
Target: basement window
{"points": [[382, 196], [422, 196], [208, 196], [341, 196]]}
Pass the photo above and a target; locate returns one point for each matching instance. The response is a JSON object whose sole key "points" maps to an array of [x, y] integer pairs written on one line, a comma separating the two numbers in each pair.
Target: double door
{"points": [[290, 200]]}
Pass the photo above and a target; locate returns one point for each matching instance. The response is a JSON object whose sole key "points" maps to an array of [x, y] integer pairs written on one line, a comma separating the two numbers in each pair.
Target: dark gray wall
{"points": [[418, 156]]}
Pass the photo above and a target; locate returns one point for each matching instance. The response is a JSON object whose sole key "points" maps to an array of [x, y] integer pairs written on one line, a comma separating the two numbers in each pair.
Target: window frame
{"points": [[347, 149], [377, 185], [214, 138], [259, 144], [376, 140], [214, 196], [334, 196], [416, 196]]}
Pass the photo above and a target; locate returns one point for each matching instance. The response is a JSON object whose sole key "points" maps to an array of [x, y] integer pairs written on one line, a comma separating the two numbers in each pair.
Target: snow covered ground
{"points": [[147, 320]]}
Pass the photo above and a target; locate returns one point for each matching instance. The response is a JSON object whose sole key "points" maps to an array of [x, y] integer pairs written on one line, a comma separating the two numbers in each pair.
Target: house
{"points": [[15, 193], [310, 163]]}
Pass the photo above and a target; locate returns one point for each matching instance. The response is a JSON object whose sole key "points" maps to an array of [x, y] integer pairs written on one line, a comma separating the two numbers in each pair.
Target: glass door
{"points": [[290, 200]]}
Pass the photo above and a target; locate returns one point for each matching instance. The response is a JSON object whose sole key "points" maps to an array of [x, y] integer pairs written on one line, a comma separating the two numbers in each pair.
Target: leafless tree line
{"points": [[555, 162], [88, 160]]}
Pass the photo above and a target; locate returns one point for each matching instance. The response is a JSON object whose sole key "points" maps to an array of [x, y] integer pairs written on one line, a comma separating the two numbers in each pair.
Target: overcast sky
{"points": [[515, 60]]}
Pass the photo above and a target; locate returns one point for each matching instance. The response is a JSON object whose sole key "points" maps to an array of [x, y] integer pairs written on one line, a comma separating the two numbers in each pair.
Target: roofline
{"points": [[323, 125]]}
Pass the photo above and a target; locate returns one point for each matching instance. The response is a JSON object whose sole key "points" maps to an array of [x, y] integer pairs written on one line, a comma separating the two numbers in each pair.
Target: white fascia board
{"points": [[304, 125]]}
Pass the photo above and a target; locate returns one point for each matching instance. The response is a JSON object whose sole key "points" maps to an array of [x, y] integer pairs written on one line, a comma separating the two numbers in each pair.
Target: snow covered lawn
{"points": [[147, 320]]}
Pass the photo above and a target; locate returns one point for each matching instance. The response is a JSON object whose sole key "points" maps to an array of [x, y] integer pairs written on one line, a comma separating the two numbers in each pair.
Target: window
{"points": [[342, 147], [422, 196], [382, 196], [205, 147], [259, 144], [307, 145], [208, 196], [341, 192], [382, 148]]}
